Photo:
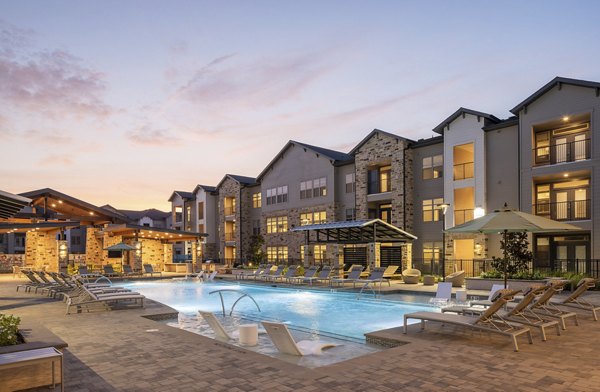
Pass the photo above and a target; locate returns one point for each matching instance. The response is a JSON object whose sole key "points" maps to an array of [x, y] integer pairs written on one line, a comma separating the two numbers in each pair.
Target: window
{"points": [[201, 210], [432, 251], [277, 195], [433, 167], [431, 209], [320, 252], [350, 214], [379, 180], [256, 200], [188, 214], [277, 254], [75, 240], [313, 218], [177, 214], [350, 183], [277, 224], [313, 188]]}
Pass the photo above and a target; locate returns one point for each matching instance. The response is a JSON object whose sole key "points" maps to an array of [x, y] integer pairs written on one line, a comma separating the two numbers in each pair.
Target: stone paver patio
{"points": [[122, 351]]}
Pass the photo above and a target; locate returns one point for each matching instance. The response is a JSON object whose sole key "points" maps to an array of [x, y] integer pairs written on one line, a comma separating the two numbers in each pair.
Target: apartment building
{"points": [[206, 219], [542, 160], [303, 185]]}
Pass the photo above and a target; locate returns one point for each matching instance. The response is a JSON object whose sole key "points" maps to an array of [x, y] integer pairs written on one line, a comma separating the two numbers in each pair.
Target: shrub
{"points": [[517, 253], [9, 326]]}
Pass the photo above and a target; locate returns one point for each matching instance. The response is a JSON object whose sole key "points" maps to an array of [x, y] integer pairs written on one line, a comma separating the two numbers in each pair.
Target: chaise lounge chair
{"points": [[247, 274], [89, 300], [289, 274], [109, 271], [308, 274], [376, 276], [390, 272], [443, 295], [488, 301], [543, 307], [149, 270], [575, 300], [216, 325], [271, 275], [324, 275], [485, 322], [352, 276], [283, 340]]}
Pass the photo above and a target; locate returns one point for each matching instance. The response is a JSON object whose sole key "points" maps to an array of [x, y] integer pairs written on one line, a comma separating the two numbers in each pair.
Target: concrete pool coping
{"points": [[112, 351]]}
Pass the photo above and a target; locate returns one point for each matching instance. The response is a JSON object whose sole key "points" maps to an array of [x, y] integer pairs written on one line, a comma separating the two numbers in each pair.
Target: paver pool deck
{"points": [[122, 351]]}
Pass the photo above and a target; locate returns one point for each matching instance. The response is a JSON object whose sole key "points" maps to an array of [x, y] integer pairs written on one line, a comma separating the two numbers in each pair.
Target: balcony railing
{"points": [[462, 216], [379, 186], [229, 210], [563, 152], [229, 236], [564, 210], [178, 217], [464, 170]]}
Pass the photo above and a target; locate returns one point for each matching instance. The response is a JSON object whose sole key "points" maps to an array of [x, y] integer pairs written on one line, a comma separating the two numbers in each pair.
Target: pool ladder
{"points": [[243, 295], [367, 285]]}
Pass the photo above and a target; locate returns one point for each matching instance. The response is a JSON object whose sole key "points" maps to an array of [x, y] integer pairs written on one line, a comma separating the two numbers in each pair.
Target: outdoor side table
{"points": [[248, 334], [428, 280]]}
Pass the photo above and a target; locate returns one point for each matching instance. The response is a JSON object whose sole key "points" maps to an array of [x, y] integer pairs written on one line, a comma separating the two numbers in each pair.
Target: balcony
{"points": [[464, 170], [577, 150], [229, 236], [178, 217], [462, 216], [378, 186], [564, 210]]}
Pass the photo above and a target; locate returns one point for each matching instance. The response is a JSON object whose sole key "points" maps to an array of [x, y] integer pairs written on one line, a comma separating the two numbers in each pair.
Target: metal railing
{"points": [[229, 236], [462, 216], [475, 267], [564, 210], [229, 210], [564, 152], [464, 170], [379, 186]]}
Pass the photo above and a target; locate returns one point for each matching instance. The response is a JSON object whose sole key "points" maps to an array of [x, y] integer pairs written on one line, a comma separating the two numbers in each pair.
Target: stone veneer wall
{"points": [[41, 250], [93, 246], [152, 251], [229, 188], [380, 150], [211, 251], [294, 240]]}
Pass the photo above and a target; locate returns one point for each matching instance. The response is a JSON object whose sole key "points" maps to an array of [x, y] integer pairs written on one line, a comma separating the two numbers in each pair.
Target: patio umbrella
{"points": [[510, 221], [120, 247]]}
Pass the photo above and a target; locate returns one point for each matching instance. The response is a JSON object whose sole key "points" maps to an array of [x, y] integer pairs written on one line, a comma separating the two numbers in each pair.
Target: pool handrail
{"points": [[244, 294]]}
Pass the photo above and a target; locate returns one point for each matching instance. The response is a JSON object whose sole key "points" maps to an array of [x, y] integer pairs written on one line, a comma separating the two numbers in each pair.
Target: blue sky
{"points": [[122, 102]]}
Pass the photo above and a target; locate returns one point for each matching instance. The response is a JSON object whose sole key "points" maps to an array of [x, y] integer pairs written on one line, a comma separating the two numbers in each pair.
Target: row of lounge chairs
{"points": [[327, 274], [78, 293], [108, 270], [538, 308]]}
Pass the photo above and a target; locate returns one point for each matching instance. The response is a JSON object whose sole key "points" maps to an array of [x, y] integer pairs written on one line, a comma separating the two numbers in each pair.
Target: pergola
{"points": [[11, 204], [356, 232], [128, 230]]}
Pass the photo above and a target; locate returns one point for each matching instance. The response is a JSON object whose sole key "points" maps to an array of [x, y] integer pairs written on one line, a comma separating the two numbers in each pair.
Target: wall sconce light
{"points": [[478, 249], [478, 212]]}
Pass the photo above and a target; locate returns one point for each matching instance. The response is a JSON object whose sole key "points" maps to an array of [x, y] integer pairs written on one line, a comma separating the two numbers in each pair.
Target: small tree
{"points": [[256, 252], [517, 252]]}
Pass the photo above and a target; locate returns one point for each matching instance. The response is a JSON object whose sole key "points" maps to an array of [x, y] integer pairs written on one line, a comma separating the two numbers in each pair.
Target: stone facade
{"points": [[152, 252], [230, 188], [93, 246], [380, 150], [41, 250]]}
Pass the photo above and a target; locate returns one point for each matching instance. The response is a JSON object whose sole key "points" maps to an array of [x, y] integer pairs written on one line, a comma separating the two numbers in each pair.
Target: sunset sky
{"points": [[122, 102]]}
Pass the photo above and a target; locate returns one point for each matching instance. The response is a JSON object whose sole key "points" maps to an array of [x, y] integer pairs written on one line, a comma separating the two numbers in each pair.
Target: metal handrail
{"points": [[244, 294]]}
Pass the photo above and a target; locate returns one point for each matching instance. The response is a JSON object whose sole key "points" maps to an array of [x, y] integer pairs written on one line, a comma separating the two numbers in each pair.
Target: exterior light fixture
{"points": [[566, 175], [565, 118], [478, 212]]}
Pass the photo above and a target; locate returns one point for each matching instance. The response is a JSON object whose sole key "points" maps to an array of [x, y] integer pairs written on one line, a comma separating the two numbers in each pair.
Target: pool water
{"points": [[321, 312]]}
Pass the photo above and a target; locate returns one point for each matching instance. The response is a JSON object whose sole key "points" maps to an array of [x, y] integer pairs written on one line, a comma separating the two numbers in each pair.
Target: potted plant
{"points": [[9, 330]]}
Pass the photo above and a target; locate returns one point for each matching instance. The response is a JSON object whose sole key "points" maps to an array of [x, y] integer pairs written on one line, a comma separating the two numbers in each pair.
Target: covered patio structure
{"points": [[373, 243]]}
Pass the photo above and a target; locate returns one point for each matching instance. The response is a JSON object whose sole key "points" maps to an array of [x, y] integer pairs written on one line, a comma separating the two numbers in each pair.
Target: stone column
{"points": [[137, 256], [406, 256], [309, 256], [336, 255], [373, 255], [168, 255], [63, 255]]}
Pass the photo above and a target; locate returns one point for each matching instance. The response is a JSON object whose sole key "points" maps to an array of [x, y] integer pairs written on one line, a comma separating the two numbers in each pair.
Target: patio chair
{"points": [[149, 270], [390, 272], [290, 273], [273, 274], [352, 276], [411, 276], [324, 275], [457, 278], [91, 301], [247, 274], [211, 277], [376, 276], [264, 272], [285, 343], [575, 301], [543, 307], [109, 271], [488, 301], [216, 325], [485, 322], [128, 271], [83, 270], [34, 282], [308, 274], [443, 294]]}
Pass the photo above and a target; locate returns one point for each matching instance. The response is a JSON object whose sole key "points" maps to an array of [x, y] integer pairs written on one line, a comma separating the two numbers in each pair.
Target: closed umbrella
{"points": [[120, 247], [510, 221]]}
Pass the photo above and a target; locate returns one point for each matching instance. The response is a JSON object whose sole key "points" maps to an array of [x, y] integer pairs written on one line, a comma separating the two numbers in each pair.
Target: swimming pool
{"points": [[324, 312]]}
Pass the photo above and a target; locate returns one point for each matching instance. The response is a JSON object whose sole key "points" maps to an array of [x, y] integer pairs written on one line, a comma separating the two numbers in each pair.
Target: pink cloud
{"points": [[153, 137], [56, 159]]}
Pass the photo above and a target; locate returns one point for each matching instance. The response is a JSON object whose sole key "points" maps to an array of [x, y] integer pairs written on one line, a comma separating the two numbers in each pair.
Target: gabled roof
{"points": [[371, 134], [557, 81], [461, 112], [71, 207], [151, 213], [509, 122], [207, 188], [427, 142], [242, 180], [10, 204], [184, 195], [336, 157]]}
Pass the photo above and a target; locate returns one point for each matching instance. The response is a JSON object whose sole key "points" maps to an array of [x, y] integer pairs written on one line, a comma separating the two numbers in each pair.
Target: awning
{"points": [[155, 233], [120, 247], [10, 204], [39, 226], [356, 232]]}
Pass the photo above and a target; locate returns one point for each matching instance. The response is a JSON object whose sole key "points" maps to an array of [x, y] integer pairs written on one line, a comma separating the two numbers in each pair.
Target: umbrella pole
{"points": [[505, 261]]}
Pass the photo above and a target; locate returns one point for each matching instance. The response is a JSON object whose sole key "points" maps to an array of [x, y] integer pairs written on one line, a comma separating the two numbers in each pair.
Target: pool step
{"points": [[384, 338]]}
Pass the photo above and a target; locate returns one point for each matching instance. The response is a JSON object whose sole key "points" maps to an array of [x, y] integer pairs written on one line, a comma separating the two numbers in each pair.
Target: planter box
{"points": [[35, 336], [486, 284]]}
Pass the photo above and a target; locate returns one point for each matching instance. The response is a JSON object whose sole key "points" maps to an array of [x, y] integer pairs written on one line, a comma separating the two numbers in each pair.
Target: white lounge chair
{"points": [[443, 294], [488, 301], [211, 277], [216, 325], [285, 343]]}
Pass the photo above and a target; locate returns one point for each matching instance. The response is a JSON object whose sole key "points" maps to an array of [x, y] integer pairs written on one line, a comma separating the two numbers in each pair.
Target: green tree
{"points": [[517, 253], [257, 255]]}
